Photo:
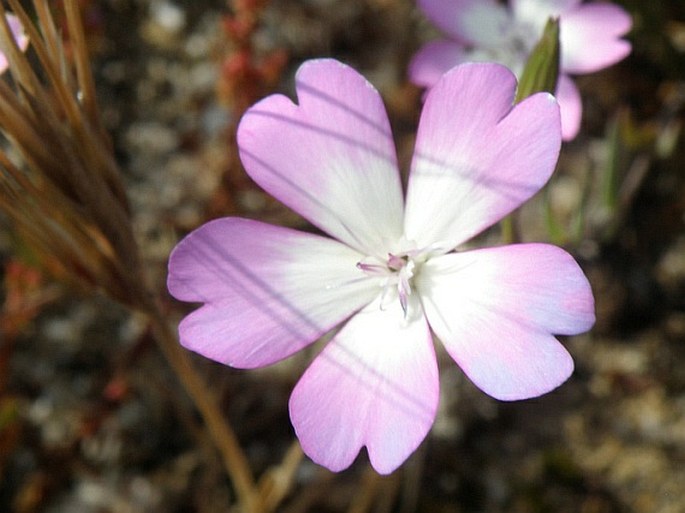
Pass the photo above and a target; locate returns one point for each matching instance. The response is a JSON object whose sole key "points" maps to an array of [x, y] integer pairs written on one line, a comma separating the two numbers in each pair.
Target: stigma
{"points": [[395, 273]]}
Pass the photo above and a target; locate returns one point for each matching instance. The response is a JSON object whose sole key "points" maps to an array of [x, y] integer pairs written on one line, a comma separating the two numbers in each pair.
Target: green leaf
{"points": [[610, 175], [541, 71]]}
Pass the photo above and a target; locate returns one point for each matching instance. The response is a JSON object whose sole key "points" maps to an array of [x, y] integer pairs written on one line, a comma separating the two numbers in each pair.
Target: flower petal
{"points": [[476, 158], [267, 291], [477, 22], [496, 309], [571, 106], [589, 37], [375, 385], [433, 60], [331, 158], [535, 13]]}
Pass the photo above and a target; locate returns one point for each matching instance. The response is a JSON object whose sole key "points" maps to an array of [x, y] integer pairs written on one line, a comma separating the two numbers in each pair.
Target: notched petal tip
{"points": [[330, 157], [478, 157], [375, 385]]}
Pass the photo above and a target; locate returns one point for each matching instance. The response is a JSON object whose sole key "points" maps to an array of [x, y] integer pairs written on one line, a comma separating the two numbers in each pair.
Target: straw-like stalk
{"points": [[69, 179], [67, 200]]}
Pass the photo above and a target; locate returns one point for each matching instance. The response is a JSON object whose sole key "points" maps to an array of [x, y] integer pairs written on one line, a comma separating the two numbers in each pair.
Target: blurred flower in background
{"points": [[19, 36], [485, 30]]}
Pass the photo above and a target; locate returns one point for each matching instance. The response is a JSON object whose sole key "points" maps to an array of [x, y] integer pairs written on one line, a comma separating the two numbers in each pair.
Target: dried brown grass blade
{"points": [[85, 77], [69, 202]]}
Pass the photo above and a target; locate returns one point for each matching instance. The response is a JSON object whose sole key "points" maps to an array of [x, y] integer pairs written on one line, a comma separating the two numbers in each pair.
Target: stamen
{"points": [[396, 273], [385, 298], [371, 268], [404, 285], [395, 262], [404, 298]]}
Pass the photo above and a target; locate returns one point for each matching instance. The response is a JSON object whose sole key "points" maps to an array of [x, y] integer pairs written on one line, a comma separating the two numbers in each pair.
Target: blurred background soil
{"points": [[93, 421]]}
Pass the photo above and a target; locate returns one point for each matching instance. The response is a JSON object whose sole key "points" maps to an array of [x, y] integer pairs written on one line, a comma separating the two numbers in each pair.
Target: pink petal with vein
{"points": [[375, 385], [496, 310], [590, 37], [331, 158], [267, 291], [476, 158]]}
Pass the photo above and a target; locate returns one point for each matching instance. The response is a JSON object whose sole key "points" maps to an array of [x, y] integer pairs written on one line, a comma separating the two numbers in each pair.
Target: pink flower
{"points": [[390, 273], [485, 30], [19, 36]]}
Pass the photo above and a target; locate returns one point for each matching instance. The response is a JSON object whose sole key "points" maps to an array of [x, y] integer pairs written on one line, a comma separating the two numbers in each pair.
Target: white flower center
{"points": [[397, 271], [395, 274]]}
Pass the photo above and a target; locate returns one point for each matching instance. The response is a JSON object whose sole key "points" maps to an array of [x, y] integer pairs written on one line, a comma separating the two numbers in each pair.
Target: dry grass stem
{"points": [[275, 484], [66, 199]]}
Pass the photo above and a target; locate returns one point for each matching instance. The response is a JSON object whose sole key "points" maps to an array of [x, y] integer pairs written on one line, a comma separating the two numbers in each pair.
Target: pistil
{"points": [[396, 272]]}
